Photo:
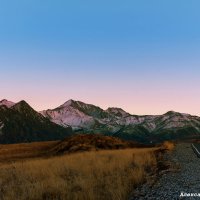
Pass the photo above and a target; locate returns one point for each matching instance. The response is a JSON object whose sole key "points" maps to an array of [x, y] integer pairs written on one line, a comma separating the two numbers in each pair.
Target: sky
{"points": [[140, 55]]}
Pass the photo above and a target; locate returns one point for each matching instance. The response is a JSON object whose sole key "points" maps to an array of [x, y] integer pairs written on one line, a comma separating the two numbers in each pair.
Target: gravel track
{"points": [[171, 184]]}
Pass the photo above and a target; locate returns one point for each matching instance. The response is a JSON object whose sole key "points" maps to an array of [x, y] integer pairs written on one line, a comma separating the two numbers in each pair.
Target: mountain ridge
{"points": [[117, 122], [21, 123], [90, 119]]}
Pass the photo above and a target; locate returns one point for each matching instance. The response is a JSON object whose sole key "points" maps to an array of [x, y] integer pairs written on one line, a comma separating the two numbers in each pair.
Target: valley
{"points": [[75, 144], [80, 151], [84, 167], [24, 151], [95, 166]]}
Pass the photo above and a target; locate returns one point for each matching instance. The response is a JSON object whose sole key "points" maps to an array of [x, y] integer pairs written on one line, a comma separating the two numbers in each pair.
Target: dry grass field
{"points": [[82, 167], [73, 144], [168, 145], [24, 151], [108, 174]]}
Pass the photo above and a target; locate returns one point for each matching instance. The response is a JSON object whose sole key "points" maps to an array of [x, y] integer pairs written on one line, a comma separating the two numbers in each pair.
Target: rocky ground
{"points": [[184, 177]]}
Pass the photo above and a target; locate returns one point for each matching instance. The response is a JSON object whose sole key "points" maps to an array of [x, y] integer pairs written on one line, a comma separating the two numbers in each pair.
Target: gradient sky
{"points": [[141, 55]]}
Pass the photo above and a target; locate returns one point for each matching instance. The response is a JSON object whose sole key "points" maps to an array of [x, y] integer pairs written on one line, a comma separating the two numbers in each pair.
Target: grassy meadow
{"points": [[95, 175]]}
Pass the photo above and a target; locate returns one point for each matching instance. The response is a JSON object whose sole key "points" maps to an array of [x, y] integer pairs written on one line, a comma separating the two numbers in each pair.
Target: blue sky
{"points": [[142, 55]]}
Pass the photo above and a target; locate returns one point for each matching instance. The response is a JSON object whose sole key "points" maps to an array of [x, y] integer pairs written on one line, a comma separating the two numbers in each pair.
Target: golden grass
{"points": [[168, 145], [14, 152], [108, 175]]}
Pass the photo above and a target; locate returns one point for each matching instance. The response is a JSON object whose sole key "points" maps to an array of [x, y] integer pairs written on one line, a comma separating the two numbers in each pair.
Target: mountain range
{"points": [[87, 118], [21, 123]]}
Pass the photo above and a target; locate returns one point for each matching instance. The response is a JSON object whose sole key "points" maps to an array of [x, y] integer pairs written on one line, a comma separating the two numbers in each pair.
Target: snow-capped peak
{"points": [[70, 114], [67, 103], [6, 103], [88, 117]]}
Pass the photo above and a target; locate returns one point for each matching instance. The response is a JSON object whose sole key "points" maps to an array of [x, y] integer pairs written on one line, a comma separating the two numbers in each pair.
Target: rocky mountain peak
{"points": [[173, 113], [23, 106], [68, 103], [117, 111], [6, 103]]}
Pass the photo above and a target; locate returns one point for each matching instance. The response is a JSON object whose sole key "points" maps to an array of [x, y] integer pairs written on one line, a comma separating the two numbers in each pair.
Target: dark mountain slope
{"points": [[21, 123]]}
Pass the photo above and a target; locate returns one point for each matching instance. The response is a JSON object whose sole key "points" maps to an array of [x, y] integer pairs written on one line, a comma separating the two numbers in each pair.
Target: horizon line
{"points": [[4, 99]]}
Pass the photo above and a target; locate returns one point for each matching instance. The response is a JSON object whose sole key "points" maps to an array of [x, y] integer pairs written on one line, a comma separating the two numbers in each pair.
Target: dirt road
{"points": [[176, 184]]}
